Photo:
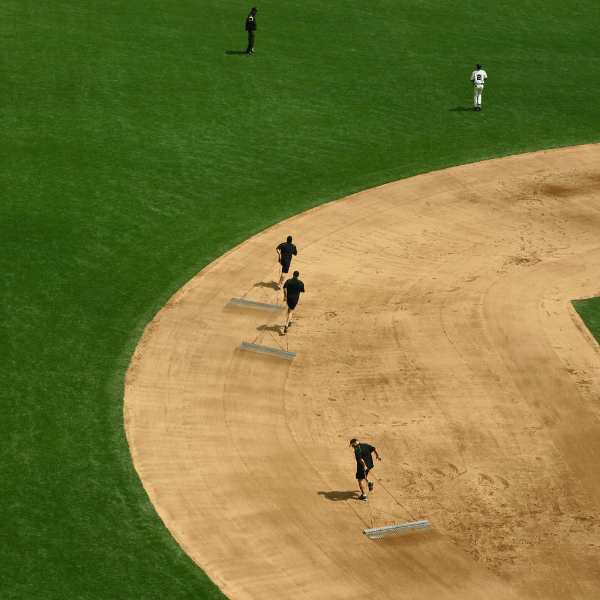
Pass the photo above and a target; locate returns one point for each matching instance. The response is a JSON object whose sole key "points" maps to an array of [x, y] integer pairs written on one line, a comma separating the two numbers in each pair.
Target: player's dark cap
{"points": [[353, 441], [478, 66], [296, 273], [289, 238], [254, 9]]}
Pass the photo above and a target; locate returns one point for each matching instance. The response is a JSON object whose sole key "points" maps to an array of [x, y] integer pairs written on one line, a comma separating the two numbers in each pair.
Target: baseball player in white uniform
{"points": [[478, 77]]}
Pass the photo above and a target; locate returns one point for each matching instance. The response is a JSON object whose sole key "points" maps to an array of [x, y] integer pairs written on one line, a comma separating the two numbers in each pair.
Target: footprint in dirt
{"points": [[450, 472], [496, 483], [418, 486]]}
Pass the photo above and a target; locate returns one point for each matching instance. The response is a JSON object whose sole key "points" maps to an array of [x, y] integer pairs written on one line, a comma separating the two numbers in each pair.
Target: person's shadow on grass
{"points": [[461, 109], [236, 52]]}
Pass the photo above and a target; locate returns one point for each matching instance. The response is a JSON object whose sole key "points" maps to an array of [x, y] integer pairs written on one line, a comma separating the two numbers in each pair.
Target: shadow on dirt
{"points": [[339, 496]]}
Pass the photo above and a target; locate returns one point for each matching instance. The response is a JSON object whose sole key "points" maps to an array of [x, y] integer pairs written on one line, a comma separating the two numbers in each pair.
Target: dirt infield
{"points": [[437, 326]]}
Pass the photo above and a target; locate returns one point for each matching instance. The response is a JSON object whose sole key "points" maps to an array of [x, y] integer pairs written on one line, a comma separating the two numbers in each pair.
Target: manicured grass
{"points": [[589, 311], [134, 150]]}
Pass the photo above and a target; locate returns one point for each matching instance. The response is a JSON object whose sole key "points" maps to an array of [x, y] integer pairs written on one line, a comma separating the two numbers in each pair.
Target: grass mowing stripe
{"points": [[134, 150]]}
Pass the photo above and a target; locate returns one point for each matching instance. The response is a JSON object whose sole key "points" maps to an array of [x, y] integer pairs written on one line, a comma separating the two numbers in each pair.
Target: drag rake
{"points": [[272, 308], [380, 532], [266, 350]]}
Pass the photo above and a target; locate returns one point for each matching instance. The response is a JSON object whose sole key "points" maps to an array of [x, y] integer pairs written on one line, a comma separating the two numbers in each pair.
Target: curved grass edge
{"points": [[589, 311]]}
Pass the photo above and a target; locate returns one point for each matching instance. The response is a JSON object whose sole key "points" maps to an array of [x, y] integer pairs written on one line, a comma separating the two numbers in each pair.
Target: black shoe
{"points": [[370, 486], [362, 497]]}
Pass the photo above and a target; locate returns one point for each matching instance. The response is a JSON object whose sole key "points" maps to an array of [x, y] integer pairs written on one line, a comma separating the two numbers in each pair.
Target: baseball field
{"points": [[139, 146]]}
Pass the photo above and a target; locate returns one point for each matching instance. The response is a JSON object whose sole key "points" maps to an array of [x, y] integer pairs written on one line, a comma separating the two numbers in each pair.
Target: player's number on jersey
{"points": [[479, 77]]}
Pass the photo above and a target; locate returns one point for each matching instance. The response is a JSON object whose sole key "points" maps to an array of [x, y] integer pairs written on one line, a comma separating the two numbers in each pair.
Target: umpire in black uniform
{"points": [[251, 28]]}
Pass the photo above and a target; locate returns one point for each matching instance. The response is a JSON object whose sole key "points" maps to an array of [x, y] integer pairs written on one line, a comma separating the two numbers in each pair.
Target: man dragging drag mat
{"points": [[292, 289], [364, 463], [285, 252]]}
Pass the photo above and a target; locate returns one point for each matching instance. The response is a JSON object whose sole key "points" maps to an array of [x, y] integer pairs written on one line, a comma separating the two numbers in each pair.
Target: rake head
{"points": [[267, 351], [272, 308], [380, 532]]}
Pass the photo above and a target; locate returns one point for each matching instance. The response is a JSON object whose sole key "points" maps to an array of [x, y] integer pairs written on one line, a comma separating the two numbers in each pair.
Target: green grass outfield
{"points": [[589, 311], [134, 150]]}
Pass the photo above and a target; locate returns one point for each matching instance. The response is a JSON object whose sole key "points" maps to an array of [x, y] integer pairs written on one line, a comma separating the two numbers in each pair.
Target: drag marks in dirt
{"points": [[507, 524], [427, 303], [419, 491], [417, 484]]}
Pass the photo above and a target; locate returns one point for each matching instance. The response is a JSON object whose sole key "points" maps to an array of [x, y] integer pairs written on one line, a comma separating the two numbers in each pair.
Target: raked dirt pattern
{"points": [[436, 325]]}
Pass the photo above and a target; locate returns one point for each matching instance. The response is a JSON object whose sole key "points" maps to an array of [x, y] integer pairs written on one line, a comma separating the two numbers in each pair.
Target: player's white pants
{"points": [[477, 98]]}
